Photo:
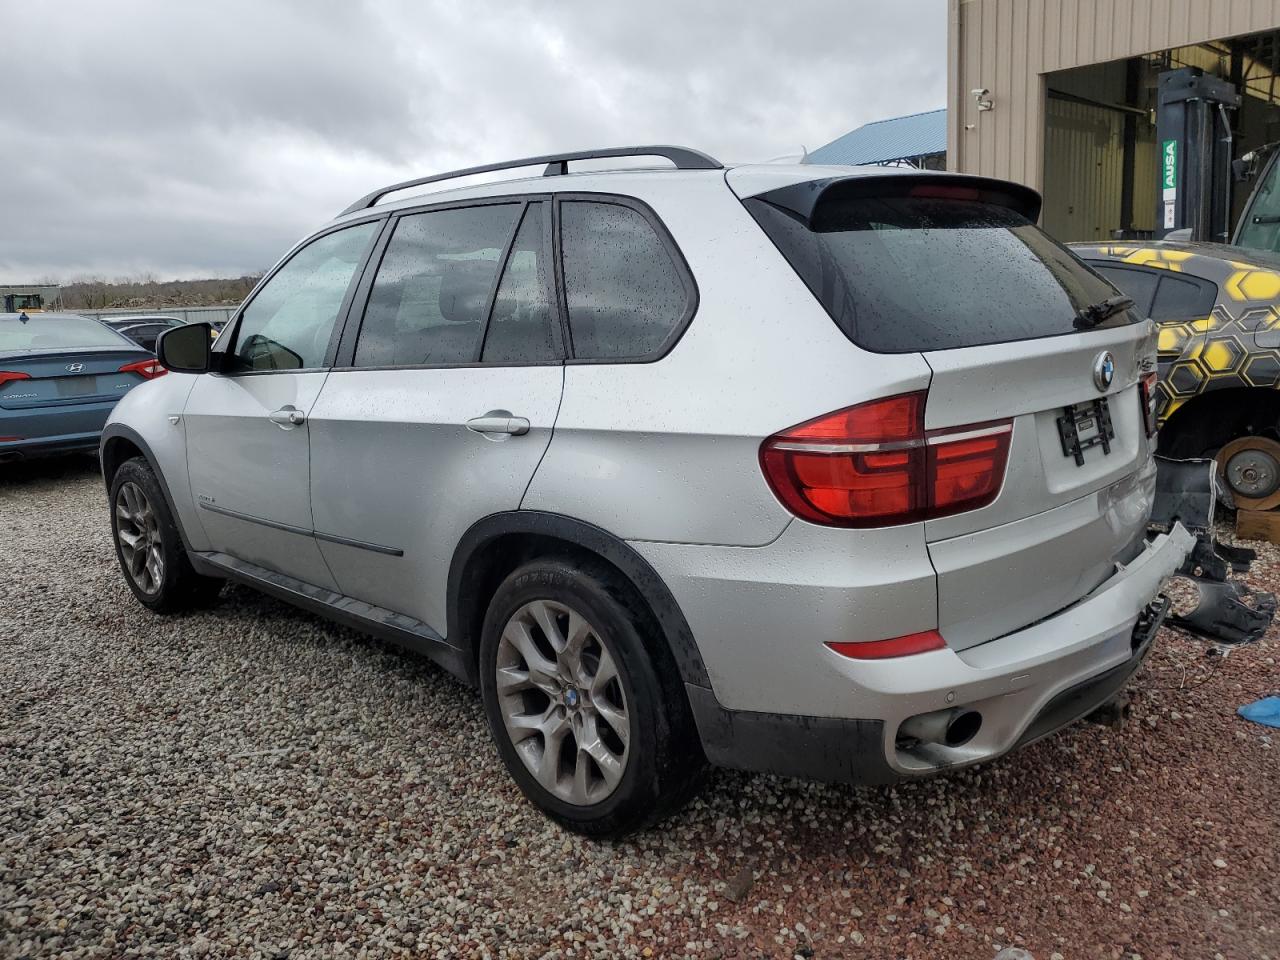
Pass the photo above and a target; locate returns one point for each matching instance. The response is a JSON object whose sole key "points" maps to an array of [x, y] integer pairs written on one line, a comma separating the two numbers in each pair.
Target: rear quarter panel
{"points": [[669, 450]]}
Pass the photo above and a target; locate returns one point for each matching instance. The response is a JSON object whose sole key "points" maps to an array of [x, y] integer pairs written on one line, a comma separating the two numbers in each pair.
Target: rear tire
{"points": [[149, 547], [590, 721]]}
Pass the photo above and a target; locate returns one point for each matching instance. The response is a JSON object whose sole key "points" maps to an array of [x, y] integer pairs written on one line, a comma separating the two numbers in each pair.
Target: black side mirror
{"points": [[1241, 170], [185, 349]]}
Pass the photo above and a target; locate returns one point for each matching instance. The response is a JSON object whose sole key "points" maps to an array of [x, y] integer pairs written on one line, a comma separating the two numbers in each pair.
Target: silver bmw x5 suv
{"points": [[830, 472]]}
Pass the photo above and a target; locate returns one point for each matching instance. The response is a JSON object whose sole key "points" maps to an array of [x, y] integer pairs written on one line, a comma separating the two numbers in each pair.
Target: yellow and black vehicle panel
{"points": [[1217, 308]]}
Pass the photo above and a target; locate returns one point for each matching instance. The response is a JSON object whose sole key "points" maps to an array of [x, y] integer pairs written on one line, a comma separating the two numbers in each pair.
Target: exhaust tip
{"points": [[953, 727], [963, 727]]}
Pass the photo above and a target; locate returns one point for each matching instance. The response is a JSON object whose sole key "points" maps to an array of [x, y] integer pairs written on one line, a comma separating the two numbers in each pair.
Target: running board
{"points": [[365, 617]]}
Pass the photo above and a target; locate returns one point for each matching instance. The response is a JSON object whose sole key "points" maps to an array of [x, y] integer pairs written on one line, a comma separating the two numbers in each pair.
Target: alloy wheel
{"points": [[138, 534], [562, 702]]}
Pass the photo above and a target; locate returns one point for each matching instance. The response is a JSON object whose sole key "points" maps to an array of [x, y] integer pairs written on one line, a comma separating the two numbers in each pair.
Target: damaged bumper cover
{"points": [[1025, 685]]}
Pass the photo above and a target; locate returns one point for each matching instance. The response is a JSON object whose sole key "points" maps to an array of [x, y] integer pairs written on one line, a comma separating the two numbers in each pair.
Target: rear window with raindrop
{"points": [[904, 274]]}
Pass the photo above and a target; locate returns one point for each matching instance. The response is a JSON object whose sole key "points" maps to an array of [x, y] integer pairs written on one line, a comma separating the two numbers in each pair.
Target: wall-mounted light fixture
{"points": [[982, 97]]}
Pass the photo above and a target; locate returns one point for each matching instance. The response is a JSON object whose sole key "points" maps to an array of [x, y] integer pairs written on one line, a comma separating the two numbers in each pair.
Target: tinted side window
{"points": [[1139, 284], [624, 292], [520, 329], [145, 334], [288, 324], [428, 301], [1183, 298], [1260, 223]]}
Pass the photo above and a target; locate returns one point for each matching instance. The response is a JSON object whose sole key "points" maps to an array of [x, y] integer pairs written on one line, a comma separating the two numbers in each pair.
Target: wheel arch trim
{"points": [[118, 431], [586, 536]]}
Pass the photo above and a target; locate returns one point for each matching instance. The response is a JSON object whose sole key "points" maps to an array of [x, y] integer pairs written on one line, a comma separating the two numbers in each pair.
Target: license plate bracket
{"points": [[1085, 425]]}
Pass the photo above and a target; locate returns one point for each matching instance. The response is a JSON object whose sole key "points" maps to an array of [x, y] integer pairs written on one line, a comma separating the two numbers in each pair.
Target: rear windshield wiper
{"points": [[1095, 313]]}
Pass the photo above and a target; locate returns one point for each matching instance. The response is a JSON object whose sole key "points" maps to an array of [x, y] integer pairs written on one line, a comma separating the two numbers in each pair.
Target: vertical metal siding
{"points": [[1084, 160], [1008, 45]]}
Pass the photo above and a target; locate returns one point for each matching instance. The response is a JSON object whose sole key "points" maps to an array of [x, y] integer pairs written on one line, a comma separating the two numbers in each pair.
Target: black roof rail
{"points": [[684, 158]]}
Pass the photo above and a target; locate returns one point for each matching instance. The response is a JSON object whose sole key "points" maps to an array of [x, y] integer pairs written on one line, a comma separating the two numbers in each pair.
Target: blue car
{"points": [[60, 375]]}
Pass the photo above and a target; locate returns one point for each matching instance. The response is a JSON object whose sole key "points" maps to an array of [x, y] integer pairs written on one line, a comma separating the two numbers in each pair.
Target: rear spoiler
{"points": [[803, 199]]}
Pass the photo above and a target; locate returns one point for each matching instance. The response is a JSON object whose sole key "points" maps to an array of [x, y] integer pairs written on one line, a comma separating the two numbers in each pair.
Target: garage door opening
{"points": [[1104, 166]]}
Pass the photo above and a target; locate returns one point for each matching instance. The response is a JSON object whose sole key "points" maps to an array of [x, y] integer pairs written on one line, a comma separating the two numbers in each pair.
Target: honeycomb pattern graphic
{"points": [[1250, 284], [1236, 345]]}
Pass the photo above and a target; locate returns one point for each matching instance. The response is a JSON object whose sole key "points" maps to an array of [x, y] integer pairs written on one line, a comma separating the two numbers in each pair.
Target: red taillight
{"points": [[1147, 394], [884, 649], [966, 466], [6, 376], [875, 465], [147, 369]]}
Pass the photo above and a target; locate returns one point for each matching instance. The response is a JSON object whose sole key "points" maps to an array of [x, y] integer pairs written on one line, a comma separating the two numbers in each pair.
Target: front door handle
{"points": [[499, 422], [287, 416]]}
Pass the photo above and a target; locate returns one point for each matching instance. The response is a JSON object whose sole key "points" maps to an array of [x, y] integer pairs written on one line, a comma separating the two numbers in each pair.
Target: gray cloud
{"points": [[203, 139]]}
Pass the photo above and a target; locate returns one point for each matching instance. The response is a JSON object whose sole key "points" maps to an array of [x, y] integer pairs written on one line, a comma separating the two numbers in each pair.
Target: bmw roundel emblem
{"points": [[1104, 370]]}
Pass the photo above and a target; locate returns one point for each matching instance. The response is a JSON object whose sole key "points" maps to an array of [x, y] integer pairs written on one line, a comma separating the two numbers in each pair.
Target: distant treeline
{"points": [[98, 294]]}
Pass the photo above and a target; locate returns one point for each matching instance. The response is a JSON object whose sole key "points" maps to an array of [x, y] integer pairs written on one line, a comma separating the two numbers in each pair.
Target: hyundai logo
{"points": [[74, 367], [1104, 370]]}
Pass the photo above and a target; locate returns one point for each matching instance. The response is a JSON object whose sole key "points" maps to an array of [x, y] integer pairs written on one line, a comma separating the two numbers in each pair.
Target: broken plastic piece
{"points": [[1150, 621], [1212, 560], [1239, 557], [1186, 490], [1227, 611]]}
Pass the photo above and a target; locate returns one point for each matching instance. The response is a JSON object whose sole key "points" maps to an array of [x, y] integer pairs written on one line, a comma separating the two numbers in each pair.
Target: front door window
{"points": [[288, 324]]}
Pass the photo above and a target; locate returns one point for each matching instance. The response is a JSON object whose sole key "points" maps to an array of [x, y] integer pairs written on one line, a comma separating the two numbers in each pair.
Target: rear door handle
{"points": [[499, 421], [287, 416]]}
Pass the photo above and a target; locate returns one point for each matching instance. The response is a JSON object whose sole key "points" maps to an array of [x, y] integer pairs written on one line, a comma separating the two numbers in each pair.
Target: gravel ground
{"points": [[251, 781]]}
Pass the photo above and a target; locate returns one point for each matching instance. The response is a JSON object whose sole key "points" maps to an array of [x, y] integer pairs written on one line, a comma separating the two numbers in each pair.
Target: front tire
{"points": [[149, 547], [593, 731]]}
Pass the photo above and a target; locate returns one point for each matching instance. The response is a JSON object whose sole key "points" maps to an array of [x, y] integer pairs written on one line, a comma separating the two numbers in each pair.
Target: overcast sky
{"points": [[202, 139]]}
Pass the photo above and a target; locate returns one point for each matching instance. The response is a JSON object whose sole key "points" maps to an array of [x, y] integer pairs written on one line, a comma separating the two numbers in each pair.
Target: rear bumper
{"points": [[34, 447], [1025, 685], [851, 751], [57, 428]]}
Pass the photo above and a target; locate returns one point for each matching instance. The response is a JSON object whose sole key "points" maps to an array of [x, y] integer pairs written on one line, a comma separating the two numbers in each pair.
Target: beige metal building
{"points": [[1060, 95]]}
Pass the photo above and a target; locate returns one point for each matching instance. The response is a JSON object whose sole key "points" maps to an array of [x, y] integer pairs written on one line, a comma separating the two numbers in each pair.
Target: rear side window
{"points": [[1132, 282], [1183, 298], [429, 300], [625, 293], [901, 274]]}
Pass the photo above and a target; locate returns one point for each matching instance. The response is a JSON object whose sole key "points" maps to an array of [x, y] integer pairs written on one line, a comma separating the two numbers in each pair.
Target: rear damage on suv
{"points": [[1010, 490]]}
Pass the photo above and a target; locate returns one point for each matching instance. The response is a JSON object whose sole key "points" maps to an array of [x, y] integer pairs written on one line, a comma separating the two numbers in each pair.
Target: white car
{"points": [[825, 471]]}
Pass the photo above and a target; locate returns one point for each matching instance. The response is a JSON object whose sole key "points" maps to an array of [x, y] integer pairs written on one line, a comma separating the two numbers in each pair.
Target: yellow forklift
{"points": [[23, 303]]}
